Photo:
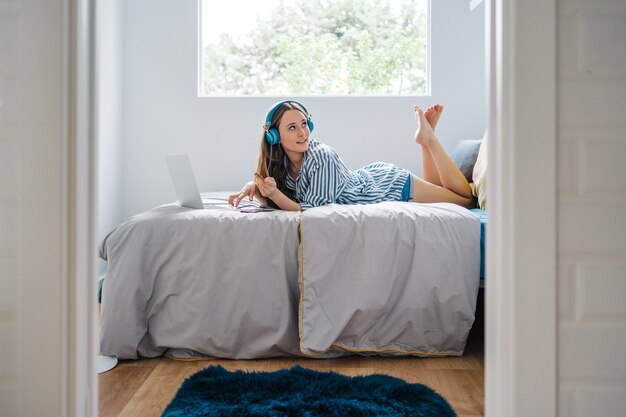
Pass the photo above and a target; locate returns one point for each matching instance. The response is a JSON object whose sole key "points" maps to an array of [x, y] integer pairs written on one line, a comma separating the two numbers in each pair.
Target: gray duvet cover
{"points": [[388, 278]]}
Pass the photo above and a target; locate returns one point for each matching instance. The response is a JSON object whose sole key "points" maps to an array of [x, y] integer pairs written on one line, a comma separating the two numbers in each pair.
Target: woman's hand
{"points": [[247, 191], [267, 186]]}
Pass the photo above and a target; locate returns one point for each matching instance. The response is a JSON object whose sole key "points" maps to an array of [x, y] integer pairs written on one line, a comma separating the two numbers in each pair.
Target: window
{"points": [[298, 47]]}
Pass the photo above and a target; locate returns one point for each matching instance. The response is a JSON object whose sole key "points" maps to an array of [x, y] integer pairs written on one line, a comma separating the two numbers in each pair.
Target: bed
{"points": [[380, 279]]}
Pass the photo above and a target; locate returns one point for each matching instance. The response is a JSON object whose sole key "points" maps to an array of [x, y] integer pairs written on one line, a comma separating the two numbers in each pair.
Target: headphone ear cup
{"points": [[272, 136], [311, 125]]}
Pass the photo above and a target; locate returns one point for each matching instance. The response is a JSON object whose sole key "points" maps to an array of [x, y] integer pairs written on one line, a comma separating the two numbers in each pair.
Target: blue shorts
{"points": [[407, 189]]}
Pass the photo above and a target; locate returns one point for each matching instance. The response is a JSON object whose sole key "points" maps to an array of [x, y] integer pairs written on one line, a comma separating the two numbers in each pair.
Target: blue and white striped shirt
{"points": [[325, 179]]}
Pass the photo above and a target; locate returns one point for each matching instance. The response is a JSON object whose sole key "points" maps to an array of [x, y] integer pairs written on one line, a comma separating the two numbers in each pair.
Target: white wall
{"points": [[592, 208], [110, 115], [163, 115]]}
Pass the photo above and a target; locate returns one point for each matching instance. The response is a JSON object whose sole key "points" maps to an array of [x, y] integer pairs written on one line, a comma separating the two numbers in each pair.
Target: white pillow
{"points": [[479, 175]]}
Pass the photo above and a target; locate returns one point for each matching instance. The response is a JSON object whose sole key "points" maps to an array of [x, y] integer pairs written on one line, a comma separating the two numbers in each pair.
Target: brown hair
{"points": [[275, 167]]}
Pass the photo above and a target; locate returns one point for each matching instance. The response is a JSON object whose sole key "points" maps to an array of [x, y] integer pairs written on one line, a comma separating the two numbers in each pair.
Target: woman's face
{"points": [[294, 132]]}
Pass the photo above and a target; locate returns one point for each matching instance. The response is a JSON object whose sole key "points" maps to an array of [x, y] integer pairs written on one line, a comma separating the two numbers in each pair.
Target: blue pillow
{"points": [[464, 156]]}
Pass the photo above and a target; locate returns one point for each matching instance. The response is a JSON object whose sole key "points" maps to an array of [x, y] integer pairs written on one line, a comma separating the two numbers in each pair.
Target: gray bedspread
{"points": [[213, 282], [382, 278], [388, 278]]}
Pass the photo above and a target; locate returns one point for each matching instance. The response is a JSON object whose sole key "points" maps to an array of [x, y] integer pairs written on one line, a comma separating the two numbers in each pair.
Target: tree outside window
{"points": [[362, 47]]}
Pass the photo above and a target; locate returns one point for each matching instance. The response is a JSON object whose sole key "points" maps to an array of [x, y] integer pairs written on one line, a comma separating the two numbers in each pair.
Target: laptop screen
{"points": [[184, 181]]}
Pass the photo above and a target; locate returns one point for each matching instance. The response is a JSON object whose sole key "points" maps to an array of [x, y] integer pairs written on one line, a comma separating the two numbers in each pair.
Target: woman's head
{"points": [[286, 131], [288, 126], [294, 133], [274, 122]]}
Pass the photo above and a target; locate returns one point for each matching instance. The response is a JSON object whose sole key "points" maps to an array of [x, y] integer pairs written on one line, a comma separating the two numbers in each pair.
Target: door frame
{"points": [[521, 293], [80, 191]]}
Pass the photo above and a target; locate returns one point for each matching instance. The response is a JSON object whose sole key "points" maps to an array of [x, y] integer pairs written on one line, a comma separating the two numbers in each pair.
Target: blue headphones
{"points": [[271, 134]]}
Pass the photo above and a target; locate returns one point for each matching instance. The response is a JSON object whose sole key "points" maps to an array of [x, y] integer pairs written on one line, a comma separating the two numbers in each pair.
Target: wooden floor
{"points": [[145, 387]]}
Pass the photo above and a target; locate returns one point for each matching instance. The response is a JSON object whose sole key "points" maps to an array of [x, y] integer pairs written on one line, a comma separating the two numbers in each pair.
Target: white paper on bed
{"points": [[215, 282], [388, 278]]}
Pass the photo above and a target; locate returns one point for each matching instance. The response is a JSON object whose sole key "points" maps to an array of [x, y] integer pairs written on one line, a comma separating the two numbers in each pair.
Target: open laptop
{"points": [[184, 181], [187, 190]]}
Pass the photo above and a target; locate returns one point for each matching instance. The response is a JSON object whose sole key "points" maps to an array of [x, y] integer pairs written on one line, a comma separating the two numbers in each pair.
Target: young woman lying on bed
{"points": [[296, 172]]}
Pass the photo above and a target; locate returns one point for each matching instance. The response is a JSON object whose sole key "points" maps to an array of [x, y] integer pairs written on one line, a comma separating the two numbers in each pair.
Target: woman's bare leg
{"points": [[426, 192], [429, 169], [451, 176]]}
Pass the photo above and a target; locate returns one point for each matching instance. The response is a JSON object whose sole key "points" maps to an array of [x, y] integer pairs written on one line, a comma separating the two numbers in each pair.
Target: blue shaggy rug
{"points": [[300, 392]]}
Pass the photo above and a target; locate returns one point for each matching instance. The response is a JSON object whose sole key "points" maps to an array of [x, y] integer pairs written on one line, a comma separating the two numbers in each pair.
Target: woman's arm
{"points": [[249, 190], [267, 187], [285, 202]]}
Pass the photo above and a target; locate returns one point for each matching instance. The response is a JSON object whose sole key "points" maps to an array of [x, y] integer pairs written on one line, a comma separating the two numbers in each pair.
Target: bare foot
{"points": [[433, 113], [424, 134]]}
